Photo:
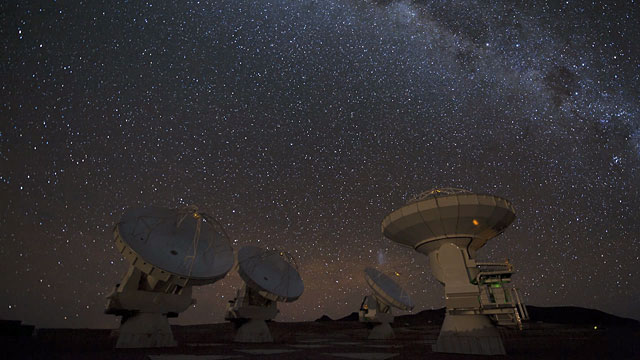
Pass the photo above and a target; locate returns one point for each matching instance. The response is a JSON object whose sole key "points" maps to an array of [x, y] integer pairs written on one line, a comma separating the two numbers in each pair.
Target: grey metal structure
{"points": [[376, 308], [170, 250], [269, 276], [450, 226]]}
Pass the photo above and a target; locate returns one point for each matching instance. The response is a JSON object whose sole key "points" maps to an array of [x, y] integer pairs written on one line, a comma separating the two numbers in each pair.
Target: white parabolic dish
{"points": [[269, 272], [157, 238], [387, 290]]}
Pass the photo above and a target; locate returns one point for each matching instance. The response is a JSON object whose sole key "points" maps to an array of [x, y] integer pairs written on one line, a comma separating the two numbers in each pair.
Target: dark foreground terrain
{"points": [[553, 333]]}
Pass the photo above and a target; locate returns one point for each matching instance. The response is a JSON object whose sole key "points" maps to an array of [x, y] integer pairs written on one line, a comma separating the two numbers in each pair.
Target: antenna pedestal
{"points": [[253, 331], [373, 311], [469, 334], [477, 297], [382, 332], [249, 311], [145, 330], [466, 330], [145, 311]]}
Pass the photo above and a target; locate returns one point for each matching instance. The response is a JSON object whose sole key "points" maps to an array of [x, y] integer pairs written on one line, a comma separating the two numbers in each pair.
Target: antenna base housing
{"points": [[469, 334], [382, 332], [145, 330], [145, 311], [373, 310], [253, 331], [249, 311]]}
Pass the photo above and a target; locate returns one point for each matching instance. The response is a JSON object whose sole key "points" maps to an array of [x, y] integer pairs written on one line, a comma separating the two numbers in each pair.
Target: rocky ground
{"points": [[553, 333]]}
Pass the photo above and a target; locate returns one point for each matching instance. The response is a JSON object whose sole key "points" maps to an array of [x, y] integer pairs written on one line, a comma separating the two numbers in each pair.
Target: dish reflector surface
{"points": [[179, 241], [387, 290], [271, 272], [449, 213]]}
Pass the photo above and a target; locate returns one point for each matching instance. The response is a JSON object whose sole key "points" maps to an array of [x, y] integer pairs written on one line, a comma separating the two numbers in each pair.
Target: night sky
{"points": [[301, 125]]}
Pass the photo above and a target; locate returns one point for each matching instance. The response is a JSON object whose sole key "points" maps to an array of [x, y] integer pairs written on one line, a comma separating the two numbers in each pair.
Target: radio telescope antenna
{"points": [[376, 308], [170, 250], [450, 226], [269, 276]]}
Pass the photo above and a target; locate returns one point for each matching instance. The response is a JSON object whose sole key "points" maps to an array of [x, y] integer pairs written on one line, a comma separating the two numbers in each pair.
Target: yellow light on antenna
{"points": [[475, 222]]}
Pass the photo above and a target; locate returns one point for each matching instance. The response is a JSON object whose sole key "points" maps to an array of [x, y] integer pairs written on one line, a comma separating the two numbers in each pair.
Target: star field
{"points": [[301, 124]]}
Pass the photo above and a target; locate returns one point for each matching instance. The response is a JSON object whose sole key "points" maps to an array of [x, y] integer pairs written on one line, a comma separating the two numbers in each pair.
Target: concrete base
{"points": [[145, 330], [469, 334], [253, 331], [381, 332]]}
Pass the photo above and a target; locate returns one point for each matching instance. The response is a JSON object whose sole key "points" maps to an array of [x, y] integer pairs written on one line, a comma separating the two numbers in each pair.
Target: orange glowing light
{"points": [[475, 222]]}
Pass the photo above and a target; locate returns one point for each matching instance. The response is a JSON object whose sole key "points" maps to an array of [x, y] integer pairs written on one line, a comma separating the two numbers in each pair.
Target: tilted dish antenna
{"points": [[269, 276], [450, 226], [376, 308], [169, 251]]}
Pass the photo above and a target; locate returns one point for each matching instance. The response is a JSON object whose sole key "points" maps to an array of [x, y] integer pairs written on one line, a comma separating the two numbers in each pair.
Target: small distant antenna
{"points": [[269, 276], [170, 250], [450, 225], [377, 307]]}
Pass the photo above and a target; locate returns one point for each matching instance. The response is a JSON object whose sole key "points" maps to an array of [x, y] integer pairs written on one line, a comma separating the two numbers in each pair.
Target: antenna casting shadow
{"points": [[450, 226], [269, 276], [170, 250], [376, 308]]}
